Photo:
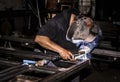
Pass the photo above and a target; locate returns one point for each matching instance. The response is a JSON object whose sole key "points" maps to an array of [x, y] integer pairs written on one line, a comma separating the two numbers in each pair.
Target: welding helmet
{"points": [[81, 29]]}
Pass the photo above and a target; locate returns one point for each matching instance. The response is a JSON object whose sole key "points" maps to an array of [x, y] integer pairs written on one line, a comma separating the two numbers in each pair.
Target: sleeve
{"points": [[49, 29]]}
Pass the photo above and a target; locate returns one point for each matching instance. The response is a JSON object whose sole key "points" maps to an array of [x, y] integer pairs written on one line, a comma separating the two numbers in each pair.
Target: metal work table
{"points": [[15, 70], [104, 52], [61, 71], [67, 73]]}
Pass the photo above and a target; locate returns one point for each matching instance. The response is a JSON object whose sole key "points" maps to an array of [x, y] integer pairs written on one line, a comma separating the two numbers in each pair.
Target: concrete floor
{"points": [[103, 72]]}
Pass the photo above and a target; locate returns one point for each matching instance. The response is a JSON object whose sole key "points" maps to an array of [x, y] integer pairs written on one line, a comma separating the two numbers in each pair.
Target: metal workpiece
{"points": [[7, 70], [105, 52], [67, 72], [21, 66], [26, 72], [28, 54], [10, 73], [54, 71], [17, 39], [9, 63]]}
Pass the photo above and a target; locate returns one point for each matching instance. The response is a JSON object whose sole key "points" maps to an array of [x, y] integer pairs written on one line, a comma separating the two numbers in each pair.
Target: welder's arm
{"points": [[45, 42]]}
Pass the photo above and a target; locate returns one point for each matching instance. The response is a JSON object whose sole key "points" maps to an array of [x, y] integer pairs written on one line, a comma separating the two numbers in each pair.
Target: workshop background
{"points": [[22, 18]]}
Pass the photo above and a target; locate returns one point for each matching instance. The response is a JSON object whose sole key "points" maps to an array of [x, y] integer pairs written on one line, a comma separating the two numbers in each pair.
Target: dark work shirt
{"points": [[56, 29]]}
